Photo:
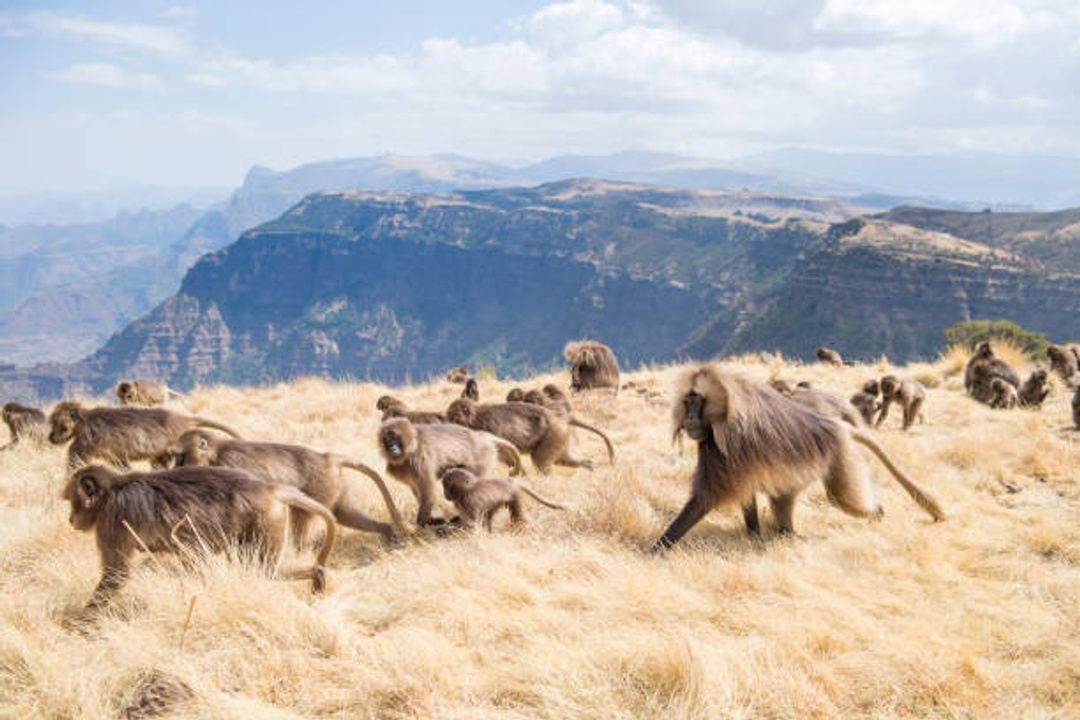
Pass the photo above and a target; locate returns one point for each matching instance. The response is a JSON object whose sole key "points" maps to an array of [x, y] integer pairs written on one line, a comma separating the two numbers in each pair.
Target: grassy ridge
{"points": [[975, 617]]}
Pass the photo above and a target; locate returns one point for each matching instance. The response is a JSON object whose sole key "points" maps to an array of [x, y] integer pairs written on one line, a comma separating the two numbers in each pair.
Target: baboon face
{"points": [[515, 395], [889, 385], [553, 392], [397, 440], [196, 448], [125, 391], [871, 387], [9, 412], [383, 404], [64, 421], [460, 412], [472, 389], [86, 490], [456, 483], [693, 419]]}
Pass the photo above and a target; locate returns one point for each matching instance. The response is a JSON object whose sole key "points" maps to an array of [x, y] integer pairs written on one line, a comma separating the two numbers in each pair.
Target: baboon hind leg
{"points": [[783, 508], [913, 411], [847, 485], [750, 517]]}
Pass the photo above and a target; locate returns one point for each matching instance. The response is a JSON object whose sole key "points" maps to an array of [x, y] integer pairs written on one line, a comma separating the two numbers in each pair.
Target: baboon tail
{"points": [[203, 422], [607, 441], [919, 495], [360, 467], [296, 499], [510, 455], [538, 498]]}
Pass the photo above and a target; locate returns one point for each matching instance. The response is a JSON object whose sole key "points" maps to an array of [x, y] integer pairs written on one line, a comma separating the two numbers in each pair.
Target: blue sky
{"points": [[103, 94]]}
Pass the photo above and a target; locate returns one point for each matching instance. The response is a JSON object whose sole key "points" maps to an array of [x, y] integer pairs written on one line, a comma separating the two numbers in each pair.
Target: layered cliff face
{"points": [[396, 286]]}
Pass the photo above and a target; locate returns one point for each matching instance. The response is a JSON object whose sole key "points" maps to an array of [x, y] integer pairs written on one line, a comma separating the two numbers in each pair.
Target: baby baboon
{"points": [[459, 374], [866, 402], [910, 394], [1076, 408], [188, 507], [1034, 390], [146, 393], [471, 390], [392, 407], [593, 365], [418, 454], [753, 439], [533, 429], [1002, 395], [122, 435], [515, 395], [478, 499], [830, 356], [25, 423], [1065, 361], [983, 367], [318, 475]]}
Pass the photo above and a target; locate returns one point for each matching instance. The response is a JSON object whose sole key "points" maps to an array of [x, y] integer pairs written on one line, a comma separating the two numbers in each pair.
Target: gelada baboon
{"points": [[146, 393], [1034, 390], [593, 365], [189, 507], [319, 475], [122, 435], [459, 374], [829, 356], [1076, 408], [866, 402], [24, 423], [1065, 361], [515, 395], [471, 390], [417, 455], [533, 429], [391, 407], [478, 499], [1002, 395], [753, 439], [981, 368], [909, 394]]}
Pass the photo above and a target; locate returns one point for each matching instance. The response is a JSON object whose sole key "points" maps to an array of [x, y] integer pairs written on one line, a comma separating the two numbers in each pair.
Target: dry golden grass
{"points": [[977, 617]]}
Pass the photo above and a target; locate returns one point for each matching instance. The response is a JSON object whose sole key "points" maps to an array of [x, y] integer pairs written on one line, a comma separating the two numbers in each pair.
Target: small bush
{"points": [[972, 332]]}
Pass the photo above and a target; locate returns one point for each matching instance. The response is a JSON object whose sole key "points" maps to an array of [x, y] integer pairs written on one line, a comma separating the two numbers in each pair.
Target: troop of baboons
{"points": [[206, 492]]}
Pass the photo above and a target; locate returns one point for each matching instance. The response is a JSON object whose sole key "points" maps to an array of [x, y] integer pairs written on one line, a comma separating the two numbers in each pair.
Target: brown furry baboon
{"points": [[24, 423], [1076, 408], [593, 365], [319, 475], [515, 395], [982, 368], [866, 402], [1034, 390], [122, 435], [533, 429], [478, 499], [417, 455], [146, 393], [829, 356], [459, 374], [189, 507], [909, 394], [1065, 361], [392, 407], [1003, 395], [753, 439], [471, 390]]}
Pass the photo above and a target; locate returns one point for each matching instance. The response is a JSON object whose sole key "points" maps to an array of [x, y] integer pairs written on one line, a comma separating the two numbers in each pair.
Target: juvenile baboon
{"points": [[392, 407], [319, 475], [1076, 408], [24, 423], [188, 507], [417, 455], [459, 374], [471, 390], [1002, 395], [753, 439], [478, 499], [909, 394], [593, 365], [1065, 361], [866, 402], [533, 429], [1034, 390], [515, 395], [982, 368], [146, 393], [830, 356], [122, 435]]}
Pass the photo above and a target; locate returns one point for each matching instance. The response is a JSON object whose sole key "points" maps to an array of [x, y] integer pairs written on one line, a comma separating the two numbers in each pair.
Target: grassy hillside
{"points": [[975, 617]]}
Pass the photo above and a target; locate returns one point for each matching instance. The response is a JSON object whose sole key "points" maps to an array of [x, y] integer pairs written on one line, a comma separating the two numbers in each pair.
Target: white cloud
{"points": [[106, 75], [140, 37]]}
